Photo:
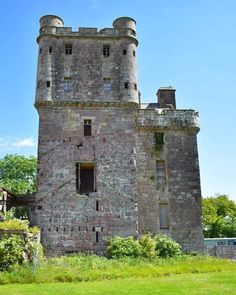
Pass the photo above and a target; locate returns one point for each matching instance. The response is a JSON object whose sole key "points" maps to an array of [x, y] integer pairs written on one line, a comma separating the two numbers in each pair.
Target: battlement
{"points": [[53, 25], [166, 119]]}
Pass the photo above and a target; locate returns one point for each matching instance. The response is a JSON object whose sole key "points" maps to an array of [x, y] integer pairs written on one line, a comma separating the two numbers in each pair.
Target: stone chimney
{"points": [[166, 97]]}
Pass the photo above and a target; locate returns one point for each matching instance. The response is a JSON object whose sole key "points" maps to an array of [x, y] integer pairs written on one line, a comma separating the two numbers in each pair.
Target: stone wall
{"points": [[69, 220]]}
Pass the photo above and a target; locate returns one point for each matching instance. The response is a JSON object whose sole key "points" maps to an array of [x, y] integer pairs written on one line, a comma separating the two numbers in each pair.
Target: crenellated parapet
{"points": [[167, 120], [53, 25]]}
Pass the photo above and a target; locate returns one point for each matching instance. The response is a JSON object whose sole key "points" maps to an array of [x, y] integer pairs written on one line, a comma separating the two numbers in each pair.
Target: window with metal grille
{"points": [[106, 50], [164, 215], [161, 173], [106, 84], [68, 48], [85, 178], [67, 84], [87, 127]]}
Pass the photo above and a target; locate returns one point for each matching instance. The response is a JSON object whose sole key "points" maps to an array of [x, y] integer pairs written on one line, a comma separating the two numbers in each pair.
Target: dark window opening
{"points": [[159, 140], [97, 206], [93, 229], [50, 49], [85, 178], [68, 48], [161, 173], [126, 85], [106, 50], [135, 86], [97, 237], [134, 53], [124, 51], [40, 207], [164, 215], [87, 127], [38, 84], [40, 50], [48, 83]]}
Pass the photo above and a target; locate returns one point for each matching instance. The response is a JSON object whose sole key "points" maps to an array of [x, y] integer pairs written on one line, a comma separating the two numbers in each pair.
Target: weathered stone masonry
{"points": [[108, 165]]}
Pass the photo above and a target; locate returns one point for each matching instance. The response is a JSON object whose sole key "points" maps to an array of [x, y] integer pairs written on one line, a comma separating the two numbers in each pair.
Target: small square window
{"points": [[87, 127], [106, 50], [107, 84], [68, 48]]}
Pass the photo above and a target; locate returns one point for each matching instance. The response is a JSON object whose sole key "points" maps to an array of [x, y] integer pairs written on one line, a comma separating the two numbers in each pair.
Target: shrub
{"points": [[11, 249], [167, 247], [148, 246], [123, 247], [15, 224]]}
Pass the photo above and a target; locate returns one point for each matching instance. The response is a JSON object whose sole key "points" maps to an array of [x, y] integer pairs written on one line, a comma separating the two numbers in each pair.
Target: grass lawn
{"points": [[184, 284]]}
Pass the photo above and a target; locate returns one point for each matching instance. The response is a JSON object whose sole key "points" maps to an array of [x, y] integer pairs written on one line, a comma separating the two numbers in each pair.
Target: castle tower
{"points": [[86, 98], [106, 164]]}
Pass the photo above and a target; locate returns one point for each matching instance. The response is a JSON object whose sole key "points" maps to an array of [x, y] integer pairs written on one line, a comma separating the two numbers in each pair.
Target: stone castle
{"points": [[107, 164]]}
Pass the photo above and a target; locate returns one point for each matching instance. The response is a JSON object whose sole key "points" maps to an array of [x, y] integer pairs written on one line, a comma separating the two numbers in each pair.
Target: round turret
{"points": [[50, 21], [125, 23]]}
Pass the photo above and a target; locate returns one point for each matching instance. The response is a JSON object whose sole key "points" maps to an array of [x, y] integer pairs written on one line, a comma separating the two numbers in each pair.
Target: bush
{"points": [[11, 249], [167, 247], [15, 224], [123, 247], [148, 246]]}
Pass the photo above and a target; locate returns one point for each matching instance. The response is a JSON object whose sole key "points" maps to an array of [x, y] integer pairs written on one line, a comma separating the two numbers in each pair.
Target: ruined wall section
{"points": [[69, 221], [181, 191]]}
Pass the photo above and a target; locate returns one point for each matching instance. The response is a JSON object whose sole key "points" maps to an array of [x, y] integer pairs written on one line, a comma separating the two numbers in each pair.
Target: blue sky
{"points": [[190, 45]]}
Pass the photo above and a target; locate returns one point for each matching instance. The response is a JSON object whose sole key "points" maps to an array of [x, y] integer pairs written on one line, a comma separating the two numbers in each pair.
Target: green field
{"points": [[90, 274], [207, 283]]}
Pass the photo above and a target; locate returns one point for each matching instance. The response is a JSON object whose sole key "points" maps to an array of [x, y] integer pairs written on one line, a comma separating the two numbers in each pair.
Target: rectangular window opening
{"points": [[161, 173], [68, 48], [67, 84], [164, 215], [48, 83], [126, 85], [97, 205], [87, 127], [107, 84], [159, 140], [106, 50], [124, 51], [134, 53], [50, 49], [85, 178], [97, 237], [135, 86]]}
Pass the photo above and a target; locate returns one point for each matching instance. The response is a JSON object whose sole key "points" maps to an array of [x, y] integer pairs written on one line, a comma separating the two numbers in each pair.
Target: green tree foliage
{"points": [[18, 173], [219, 217]]}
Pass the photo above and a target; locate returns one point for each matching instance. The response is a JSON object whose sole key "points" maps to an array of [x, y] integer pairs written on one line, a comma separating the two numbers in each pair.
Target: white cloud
{"points": [[11, 144], [24, 142]]}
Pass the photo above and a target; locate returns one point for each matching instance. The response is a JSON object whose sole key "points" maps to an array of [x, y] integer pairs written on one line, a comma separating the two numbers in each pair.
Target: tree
{"points": [[18, 173], [219, 217]]}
